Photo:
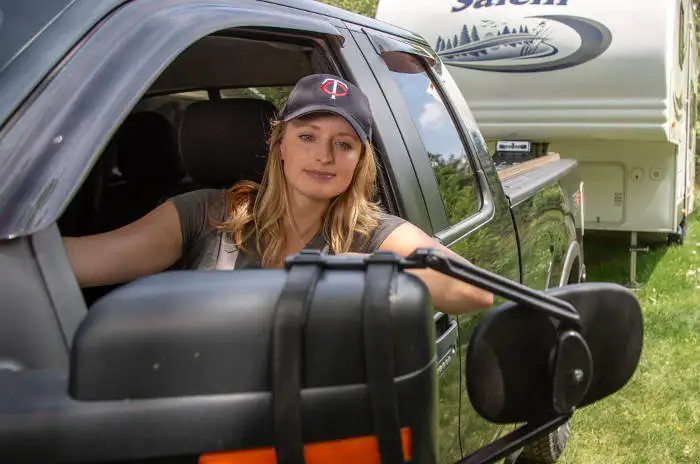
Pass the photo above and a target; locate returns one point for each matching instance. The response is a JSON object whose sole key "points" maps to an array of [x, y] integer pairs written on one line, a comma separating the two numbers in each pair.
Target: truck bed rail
{"points": [[522, 182]]}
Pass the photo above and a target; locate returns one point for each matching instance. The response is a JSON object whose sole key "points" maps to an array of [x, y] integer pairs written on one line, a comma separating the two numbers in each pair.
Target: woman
{"points": [[316, 192]]}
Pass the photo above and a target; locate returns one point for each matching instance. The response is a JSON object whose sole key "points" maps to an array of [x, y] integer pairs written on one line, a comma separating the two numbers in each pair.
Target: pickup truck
{"points": [[93, 135]]}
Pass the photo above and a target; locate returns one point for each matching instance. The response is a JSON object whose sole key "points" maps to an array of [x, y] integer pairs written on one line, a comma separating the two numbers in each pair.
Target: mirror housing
{"points": [[524, 365], [195, 337], [209, 332]]}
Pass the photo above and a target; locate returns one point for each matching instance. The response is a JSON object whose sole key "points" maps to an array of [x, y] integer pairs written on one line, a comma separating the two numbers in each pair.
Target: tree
{"points": [[457, 185], [449, 44], [440, 45], [475, 34], [506, 30], [464, 38]]}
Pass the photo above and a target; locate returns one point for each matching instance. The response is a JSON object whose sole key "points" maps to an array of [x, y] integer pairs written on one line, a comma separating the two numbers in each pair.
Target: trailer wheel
{"points": [[547, 449]]}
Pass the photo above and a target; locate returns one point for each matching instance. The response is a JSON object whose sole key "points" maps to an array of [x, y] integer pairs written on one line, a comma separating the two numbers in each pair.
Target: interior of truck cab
{"points": [[203, 123]]}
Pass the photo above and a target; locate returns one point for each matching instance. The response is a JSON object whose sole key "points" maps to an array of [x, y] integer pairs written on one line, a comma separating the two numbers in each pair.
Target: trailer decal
{"points": [[529, 46], [464, 4]]}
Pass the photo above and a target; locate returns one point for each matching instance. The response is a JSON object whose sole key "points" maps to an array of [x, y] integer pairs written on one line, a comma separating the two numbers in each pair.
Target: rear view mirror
{"points": [[524, 365]]}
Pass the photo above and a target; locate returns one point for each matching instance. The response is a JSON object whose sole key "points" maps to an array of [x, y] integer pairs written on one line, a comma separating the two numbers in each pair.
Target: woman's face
{"points": [[320, 155]]}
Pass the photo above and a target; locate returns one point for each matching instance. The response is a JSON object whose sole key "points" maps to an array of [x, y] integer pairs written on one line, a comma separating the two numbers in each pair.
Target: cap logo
{"points": [[334, 88]]}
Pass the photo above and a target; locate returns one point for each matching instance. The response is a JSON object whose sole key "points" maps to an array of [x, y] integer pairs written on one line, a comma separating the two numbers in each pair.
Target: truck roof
{"points": [[36, 34]]}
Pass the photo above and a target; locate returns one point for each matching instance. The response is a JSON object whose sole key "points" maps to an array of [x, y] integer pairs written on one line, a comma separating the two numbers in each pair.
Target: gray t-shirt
{"points": [[204, 247]]}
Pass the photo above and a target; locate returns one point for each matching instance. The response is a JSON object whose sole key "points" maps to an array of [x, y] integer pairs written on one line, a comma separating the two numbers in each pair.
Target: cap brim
{"points": [[329, 109]]}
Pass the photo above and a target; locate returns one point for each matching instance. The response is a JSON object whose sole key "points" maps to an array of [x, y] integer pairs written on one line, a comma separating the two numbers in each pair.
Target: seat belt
{"points": [[287, 357], [228, 253], [379, 356]]}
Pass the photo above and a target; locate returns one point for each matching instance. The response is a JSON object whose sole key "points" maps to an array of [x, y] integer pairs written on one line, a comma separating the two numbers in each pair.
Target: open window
{"points": [[203, 123], [442, 143]]}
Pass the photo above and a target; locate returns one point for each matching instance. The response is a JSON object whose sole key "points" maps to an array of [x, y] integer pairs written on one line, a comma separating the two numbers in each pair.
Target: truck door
{"points": [[402, 195], [468, 210]]}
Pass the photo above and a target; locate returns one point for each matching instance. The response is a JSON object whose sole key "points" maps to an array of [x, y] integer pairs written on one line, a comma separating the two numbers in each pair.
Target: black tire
{"points": [[546, 449]]}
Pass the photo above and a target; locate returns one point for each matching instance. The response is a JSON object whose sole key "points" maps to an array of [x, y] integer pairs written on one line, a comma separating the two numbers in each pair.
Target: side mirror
{"points": [[523, 365]]}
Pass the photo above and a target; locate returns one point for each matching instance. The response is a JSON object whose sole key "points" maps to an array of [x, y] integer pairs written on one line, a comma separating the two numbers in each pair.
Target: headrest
{"points": [[147, 151], [224, 141]]}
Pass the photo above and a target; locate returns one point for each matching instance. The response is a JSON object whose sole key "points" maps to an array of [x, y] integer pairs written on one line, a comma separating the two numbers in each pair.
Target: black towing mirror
{"points": [[523, 364], [537, 358]]}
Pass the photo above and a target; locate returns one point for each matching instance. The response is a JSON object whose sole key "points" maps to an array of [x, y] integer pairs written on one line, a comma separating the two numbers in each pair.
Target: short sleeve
{"points": [[387, 224], [195, 210]]}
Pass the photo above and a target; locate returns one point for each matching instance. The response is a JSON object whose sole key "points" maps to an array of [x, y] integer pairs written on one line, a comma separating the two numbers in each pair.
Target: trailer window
{"points": [[438, 132]]}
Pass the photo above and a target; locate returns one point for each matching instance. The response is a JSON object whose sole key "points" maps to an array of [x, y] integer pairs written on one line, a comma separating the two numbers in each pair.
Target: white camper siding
{"points": [[676, 71], [682, 105], [600, 81], [632, 191], [621, 94], [676, 99], [692, 106]]}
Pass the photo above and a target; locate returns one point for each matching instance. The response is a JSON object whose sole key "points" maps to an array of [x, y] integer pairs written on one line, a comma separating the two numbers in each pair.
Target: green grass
{"points": [[656, 417]]}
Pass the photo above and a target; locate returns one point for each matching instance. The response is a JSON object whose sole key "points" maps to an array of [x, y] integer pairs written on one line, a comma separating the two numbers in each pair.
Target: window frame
{"points": [[443, 231], [401, 188], [434, 79]]}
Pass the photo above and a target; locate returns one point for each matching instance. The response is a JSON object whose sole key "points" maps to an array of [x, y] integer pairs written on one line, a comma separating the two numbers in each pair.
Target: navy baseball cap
{"points": [[326, 93]]}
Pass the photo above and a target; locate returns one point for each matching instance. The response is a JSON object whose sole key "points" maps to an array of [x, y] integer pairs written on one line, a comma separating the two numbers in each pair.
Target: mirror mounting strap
{"points": [[513, 441], [431, 258]]}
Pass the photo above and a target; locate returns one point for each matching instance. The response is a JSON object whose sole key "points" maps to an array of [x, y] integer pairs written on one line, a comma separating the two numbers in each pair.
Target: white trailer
{"points": [[611, 83]]}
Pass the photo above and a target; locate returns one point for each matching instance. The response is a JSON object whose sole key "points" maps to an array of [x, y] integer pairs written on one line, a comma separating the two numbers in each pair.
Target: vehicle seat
{"points": [[148, 159], [82, 215], [224, 141]]}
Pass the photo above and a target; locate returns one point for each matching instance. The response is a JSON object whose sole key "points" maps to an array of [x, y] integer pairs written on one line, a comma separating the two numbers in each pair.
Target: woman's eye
{"points": [[345, 146], [306, 137]]}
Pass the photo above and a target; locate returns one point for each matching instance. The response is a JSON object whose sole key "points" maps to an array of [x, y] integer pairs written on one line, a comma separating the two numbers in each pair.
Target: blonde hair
{"points": [[260, 210]]}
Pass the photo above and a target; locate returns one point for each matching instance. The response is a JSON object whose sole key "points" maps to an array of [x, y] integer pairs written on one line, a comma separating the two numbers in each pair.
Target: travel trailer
{"points": [[612, 84]]}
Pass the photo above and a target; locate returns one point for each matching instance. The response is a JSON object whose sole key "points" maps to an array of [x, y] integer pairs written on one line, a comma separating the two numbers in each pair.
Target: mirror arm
{"points": [[438, 261], [513, 441], [431, 258]]}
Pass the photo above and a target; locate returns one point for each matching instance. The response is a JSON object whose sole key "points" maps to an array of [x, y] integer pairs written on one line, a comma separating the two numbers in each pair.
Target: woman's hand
{"points": [[449, 295]]}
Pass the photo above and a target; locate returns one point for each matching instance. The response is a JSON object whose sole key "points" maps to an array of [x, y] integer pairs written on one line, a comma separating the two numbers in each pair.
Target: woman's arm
{"points": [[449, 295], [146, 246]]}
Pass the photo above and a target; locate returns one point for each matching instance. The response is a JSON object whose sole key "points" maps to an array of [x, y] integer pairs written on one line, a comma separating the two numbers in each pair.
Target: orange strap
{"points": [[345, 451]]}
